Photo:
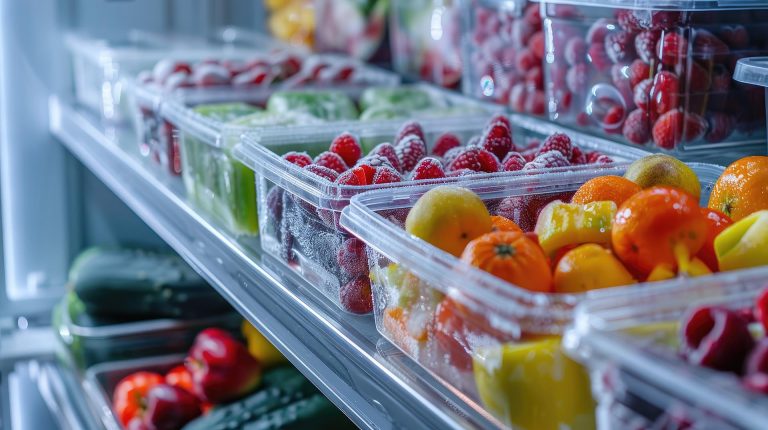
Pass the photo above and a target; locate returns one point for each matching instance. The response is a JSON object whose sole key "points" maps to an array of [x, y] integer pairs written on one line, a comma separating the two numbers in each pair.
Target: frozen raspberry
{"points": [[637, 127], [488, 162], [386, 175], [356, 297], [598, 31], [664, 93], [672, 48], [707, 45], [411, 127], [502, 118], [696, 77], [645, 45], [387, 151], [535, 103], [620, 46], [577, 77], [613, 119], [351, 257], [532, 15], [453, 153], [348, 147], [428, 168], [598, 57], [548, 159], [592, 157], [575, 51], [518, 97], [513, 162], [757, 382], [300, 159], [332, 161], [535, 78], [536, 44], [578, 157], [322, 172], [356, 176], [717, 338], [529, 154], [736, 36], [368, 167], [637, 72], [444, 143], [642, 94], [659, 20], [603, 159], [628, 20], [557, 142], [520, 32], [675, 127], [497, 139], [410, 150], [526, 60], [467, 159]]}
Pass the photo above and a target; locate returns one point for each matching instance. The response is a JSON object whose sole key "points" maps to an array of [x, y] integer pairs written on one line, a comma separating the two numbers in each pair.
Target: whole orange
{"points": [[513, 257], [500, 223], [602, 188], [658, 226], [716, 222], [742, 188]]}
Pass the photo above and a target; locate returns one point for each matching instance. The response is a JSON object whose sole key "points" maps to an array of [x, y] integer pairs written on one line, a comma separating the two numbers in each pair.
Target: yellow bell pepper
{"points": [[562, 224]]}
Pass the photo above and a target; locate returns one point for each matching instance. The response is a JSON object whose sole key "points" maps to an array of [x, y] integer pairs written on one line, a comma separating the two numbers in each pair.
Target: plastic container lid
{"points": [[683, 5], [752, 71]]}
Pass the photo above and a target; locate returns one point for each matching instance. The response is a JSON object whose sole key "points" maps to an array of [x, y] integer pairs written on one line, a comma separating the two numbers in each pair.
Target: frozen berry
{"points": [[518, 96], [637, 128], [548, 160], [717, 338], [387, 151], [529, 154], [351, 257], [592, 156], [598, 30], [598, 57], [620, 46], [603, 159], [672, 48], [488, 162], [533, 15], [323, 172], [460, 173], [642, 94], [444, 143], [526, 60], [177, 80], [468, 158], [497, 139], [524, 210], [373, 161], [356, 297], [697, 79], [637, 72], [348, 147], [578, 157], [664, 92], [628, 20], [513, 162], [275, 204], [428, 168], [536, 44], [736, 36], [300, 159], [411, 127], [502, 118], [575, 51], [332, 161], [535, 103], [534, 78], [757, 382], [721, 125], [358, 176], [577, 77], [707, 45], [386, 175], [558, 142], [645, 45], [409, 151], [613, 119]]}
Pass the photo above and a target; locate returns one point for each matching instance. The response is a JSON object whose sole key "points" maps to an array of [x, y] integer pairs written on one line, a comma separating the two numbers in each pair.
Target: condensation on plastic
{"points": [[628, 343]]}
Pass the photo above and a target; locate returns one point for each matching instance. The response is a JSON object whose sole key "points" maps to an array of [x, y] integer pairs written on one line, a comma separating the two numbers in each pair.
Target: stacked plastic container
{"points": [[493, 341], [630, 344], [657, 73]]}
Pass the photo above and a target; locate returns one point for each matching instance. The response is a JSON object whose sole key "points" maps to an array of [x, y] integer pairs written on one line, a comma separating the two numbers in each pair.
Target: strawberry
{"points": [[387, 151], [322, 172], [428, 168], [355, 176], [672, 48], [549, 159], [513, 162], [578, 156], [598, 57], [348, 148], [386, 175], [300, 159], [409, 151], [332, 161], [575, 51], [497, 139], [664, 92], [637, 127], [444, 143], [557, 142], [411, 127], [620, 46], [645, 45], [642, 94]]}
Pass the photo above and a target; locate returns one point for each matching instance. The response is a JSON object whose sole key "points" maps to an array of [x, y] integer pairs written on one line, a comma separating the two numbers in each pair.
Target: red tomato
{"points": [[130, 396], [180, 377]]}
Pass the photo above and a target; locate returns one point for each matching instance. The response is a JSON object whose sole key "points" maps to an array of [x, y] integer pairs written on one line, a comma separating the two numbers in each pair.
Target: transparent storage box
{"points": [[503, 42], [658, 73], [299, 211], [355, 28], [630, 345], [224, 187], [262, 74], [753, 71], [425, 39], [497, 343]]}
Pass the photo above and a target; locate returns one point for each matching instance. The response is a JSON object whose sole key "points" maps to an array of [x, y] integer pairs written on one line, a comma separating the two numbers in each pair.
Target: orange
{"points": [[658, 226], [395, 323], [500, 223], [742, 189], [716, 223], [613, 188], [589, 267], [511, 256]]}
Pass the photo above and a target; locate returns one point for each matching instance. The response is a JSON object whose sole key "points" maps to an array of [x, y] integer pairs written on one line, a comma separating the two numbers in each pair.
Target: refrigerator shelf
{"points": [[343, 355]]}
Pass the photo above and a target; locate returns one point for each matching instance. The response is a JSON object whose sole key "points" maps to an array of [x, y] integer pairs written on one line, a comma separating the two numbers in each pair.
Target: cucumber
{"points": [[141, 284]]}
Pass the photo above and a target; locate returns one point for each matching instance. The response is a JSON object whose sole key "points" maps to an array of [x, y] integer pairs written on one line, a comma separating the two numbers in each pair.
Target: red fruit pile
{"points": [[658, 77], [507, 62]]}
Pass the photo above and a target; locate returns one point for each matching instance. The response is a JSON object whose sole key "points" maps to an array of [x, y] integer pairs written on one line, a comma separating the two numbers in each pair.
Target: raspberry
{"points": [[577, 77], [637, 127], [488, 162], [735, 36], [642, 94], [409, 151], [387, 151], [620, 46], [557, 142], [467, 159], [356, 297], [351, 257], [592, 157], [453, 153], [497, 139], [536, 44], [628, 20], [300, 159], [603, 159], [598, 57], [502, 118], [411, 127], [513, 162], [322, 172], [332, 161], [535, 103], [664, 93], [578, 156], [518, 97], [347, 146], [598, 31], [526, 60], [707, 45], [428, 168], [575, 51], [386, 175], [357, 176], [720, 127], [444, 143], [520, 32], [532, 15], [549, 159], [613, 119], [675, 126], [645, 45], [368, 167], [672, 48], [529, 154], [638, 71]]}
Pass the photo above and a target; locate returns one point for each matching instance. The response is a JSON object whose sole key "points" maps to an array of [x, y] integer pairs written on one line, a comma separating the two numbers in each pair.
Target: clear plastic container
{"points": [[657, 72], [224, 187], [493, 341], [630, 345], [280, 70], [753, 71], [299, 211], [102, 379], [503, 43], [425, 39], [352, 27]]}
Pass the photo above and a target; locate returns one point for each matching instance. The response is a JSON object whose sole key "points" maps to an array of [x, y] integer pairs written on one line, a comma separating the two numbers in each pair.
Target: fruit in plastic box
{"points": [[325, 105], [561, 224], [449, 218], [605, 188], [742, 188], [744, 244], [663, 170], [590, 267]]}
